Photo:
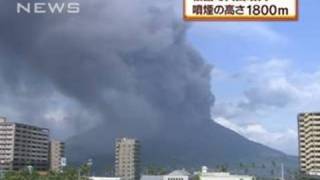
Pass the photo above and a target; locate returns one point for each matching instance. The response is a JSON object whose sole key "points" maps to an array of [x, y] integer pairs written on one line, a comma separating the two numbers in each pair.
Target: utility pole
{"points": [[282, 172], [78, 173], [89, 164]]}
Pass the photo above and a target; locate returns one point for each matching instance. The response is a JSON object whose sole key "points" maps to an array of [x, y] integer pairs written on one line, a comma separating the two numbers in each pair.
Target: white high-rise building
{"points": [[309, 143], [127, 164]]}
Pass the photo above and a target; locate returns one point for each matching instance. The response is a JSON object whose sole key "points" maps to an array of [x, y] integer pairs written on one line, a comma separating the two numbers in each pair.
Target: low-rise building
{"points": [[174, 175], [177, 175], [205, 175], [104, 178], [151, 177]]}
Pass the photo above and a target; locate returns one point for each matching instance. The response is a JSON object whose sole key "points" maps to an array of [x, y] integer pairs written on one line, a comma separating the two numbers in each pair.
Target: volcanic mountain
{"points": [[177, 146]]}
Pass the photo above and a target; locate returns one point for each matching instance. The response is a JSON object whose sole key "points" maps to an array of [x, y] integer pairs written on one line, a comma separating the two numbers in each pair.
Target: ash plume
{"points": [[116, 64], [119, 68]]}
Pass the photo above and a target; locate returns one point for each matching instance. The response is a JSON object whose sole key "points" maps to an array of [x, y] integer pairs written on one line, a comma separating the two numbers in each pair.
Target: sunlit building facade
{"points": [[127, 163], [57, 154], [309, 143]]}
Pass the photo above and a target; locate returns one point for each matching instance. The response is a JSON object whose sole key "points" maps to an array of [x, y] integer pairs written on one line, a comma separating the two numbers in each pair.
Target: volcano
{"points": [[180, 146]]}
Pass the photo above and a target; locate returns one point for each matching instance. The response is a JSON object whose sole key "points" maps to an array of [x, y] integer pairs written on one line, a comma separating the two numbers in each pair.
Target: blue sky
{"points": [[264, 74]]}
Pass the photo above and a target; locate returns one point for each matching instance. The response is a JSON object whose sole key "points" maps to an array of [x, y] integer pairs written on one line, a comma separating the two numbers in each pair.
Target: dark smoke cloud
{"points": [[119, 63]]}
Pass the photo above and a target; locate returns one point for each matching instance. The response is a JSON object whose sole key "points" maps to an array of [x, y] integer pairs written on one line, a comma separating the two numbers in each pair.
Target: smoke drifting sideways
{"points": [[115, 64]]}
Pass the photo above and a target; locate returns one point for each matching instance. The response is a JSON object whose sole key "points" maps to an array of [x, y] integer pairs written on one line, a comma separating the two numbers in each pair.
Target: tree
{"points": [[196, 177], [70, 173], [155, 170], [109, 170], [253, 165], [224, 168], [67, 174], [241, 165], [85, 170], [162, 171], [22, 175], [218, 167], [246, 170], [272, 172]]}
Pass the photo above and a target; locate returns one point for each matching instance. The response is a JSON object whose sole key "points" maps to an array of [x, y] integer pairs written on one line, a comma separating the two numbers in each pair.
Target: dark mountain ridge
{"points": [[183, 146]]}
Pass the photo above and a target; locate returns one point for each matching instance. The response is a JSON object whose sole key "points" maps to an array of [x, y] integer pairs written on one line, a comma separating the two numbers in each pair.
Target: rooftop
{"points": [[3, 119], [151, 177], [181, 172]]}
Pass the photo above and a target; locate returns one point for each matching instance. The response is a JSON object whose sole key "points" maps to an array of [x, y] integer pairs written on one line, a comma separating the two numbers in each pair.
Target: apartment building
{"points": [[127, 155], [309, 143], [56, 155], [23, 145]]}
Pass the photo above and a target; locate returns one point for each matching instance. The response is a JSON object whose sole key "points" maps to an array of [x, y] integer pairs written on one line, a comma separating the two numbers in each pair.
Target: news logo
{"points": [[48, 8], [241, 10]]}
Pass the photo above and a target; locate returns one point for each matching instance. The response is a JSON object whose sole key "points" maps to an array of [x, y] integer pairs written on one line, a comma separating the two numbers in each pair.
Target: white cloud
{"points": [[277, 83], [265, 108], [284, 141]]}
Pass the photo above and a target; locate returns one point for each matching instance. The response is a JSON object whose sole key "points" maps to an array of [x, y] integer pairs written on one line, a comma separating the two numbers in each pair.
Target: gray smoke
{"points": [[118, 63]]}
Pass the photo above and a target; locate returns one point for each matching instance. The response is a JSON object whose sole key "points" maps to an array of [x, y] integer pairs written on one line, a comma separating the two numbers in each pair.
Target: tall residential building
{"points": [[309, 143], [23, 145], [56, 154], [127, 163]]}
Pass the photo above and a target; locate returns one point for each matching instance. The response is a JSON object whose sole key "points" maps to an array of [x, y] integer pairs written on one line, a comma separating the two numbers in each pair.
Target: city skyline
{"points": [[190, 91], [126, 155], [24, 145], [282, 58]]}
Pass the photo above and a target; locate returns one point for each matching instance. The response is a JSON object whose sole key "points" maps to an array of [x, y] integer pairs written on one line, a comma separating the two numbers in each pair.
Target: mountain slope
{"points": [[188, 145]]}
